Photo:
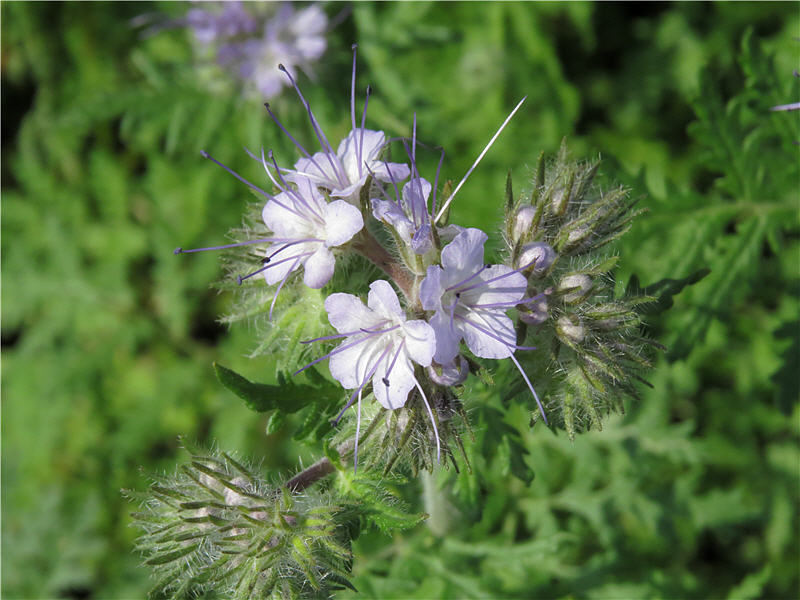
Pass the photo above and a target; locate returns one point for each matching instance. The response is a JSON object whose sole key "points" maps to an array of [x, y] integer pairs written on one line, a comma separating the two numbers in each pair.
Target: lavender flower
{"points": [[252, 42]]}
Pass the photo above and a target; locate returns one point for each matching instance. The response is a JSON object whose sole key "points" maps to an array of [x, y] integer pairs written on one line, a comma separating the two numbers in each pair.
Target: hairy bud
{"points": [[538, 257], [575, 288]]}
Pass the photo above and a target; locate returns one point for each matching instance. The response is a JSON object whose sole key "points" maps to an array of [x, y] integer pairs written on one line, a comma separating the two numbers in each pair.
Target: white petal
{"points": [[388, 212], [420, 341], [282, 222], [500, 344], [360, 147], [505, 289], [283, 263], [347, 313], [415, 197], [383, 299], [318, 170], [319, 268], [390, 172], [401, 381], [447, 338], [464, 254], [342, 222], [351, 366], [431, 289]]}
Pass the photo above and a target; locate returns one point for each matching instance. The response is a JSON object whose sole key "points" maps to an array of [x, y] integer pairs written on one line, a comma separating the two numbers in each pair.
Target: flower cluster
{"points": [[413, 349], [251, 39]]}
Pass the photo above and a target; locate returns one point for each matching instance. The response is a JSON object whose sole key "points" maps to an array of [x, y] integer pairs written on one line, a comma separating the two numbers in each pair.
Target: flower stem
{"points": [[369, 247]]}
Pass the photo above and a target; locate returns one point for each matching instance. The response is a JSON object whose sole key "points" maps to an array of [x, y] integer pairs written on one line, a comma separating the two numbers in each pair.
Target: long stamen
{"points": [[436, 182], [241, 278], [254, 187], [358, 433], [280, 286], [414, 167], [353, 90], [391, 366], [341, 335], [492, 335], [478, 160], [363, 383], [283, 247], [433, 421], [344, 347], [394, 183], [226, 246], [286, 187], [530, 387], [320, 135], [468, 279], [504, 275], [508, 302], [361, 132]]}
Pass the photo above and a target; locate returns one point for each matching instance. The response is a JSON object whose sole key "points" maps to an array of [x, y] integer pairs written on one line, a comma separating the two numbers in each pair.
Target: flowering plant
{"points": [[436, 311]]}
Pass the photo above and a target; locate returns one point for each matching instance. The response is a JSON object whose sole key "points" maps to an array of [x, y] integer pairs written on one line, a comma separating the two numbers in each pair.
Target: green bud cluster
{"points": [[593, 339], [216, 526]]}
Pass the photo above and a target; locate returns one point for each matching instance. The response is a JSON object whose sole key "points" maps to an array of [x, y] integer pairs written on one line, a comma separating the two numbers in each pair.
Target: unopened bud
{"points": [[575, 287], [523, 219], [536, 258], [534, 313], [453, 373], [570, 330]]}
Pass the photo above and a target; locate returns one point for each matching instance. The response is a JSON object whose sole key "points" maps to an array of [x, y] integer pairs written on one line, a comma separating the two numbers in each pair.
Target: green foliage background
{"points": [[108, 338]]}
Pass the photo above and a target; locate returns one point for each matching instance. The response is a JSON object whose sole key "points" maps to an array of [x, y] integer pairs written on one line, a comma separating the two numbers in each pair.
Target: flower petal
{"points": [[351, 366], [282, 222], [389, 172], [501, 342], [319, 268], [464, 254], [360, 147], [401, 381], [431, 288], [342, 222], [420, 341], [509, 287], [447, 337], [383, 299], [318, 170], [348, 313], [388, 212]]}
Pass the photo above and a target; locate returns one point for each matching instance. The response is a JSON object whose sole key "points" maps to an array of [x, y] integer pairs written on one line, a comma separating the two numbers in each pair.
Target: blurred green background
{"points": [[108, 338]]}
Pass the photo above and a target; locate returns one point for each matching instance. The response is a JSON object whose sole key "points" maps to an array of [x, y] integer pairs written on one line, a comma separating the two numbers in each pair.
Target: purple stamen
{"points": [[453, 314], [358, 433], [530, 387], [320, 135], [342, 348], [509, 273], [261, 241], [467, 280], [363, 383], [394, 183], [509, 302], [241, 278], [436, 182], [391, 366], [433, 421], [285, 187], [353, 90], [205, 154], [278, 291], [268, 258], [360, 147], [493, 335], [348, 334]]}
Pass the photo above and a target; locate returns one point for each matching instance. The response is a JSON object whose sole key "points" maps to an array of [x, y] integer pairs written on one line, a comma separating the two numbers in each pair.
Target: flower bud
{"points": [[453, 373], [570, 330], [575, 287], [535, 313], [536, 258], [523, 219]]}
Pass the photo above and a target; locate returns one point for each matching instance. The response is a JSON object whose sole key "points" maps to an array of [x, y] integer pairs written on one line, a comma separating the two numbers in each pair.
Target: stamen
{"points": [[467, 280], [286, 187], [394, 360], [433, 421], [340, 349], [530, 387], [358, 433], [361, 387], [278, 291], [354, 47], [268, 258], [320, 135], [478, 160], [289, 135], [492, 335], [394, 183], [360, 146], [507, 274], [180, 250], [241, 278], [205, 154], [436, 182], [348, 334]]}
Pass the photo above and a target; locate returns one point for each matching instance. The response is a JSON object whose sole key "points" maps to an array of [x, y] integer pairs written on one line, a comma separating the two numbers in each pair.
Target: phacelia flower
{"points": [[470, 300], [343, 172], [252, 41], [380, 346]]}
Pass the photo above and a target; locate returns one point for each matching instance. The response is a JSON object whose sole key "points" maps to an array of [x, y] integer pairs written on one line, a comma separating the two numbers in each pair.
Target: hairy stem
{"points": [[369, 247]]}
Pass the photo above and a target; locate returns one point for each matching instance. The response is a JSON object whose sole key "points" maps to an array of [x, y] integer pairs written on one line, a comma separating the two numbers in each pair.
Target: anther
{"points": [[265, 260], [178, 250], [239, 279], [369, 90], [281, 67], [458, 294], [354, 46], [204, 154], [385, 381]]}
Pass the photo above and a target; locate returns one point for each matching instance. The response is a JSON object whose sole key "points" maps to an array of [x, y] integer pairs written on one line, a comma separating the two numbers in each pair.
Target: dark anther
{"points": [[354, 46], [265, 260], [458, 294], [239, 279], [178, 250], [385, 381], [281, 67], [488, 266], [266, 105], [369, 90], [204, 154]]}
